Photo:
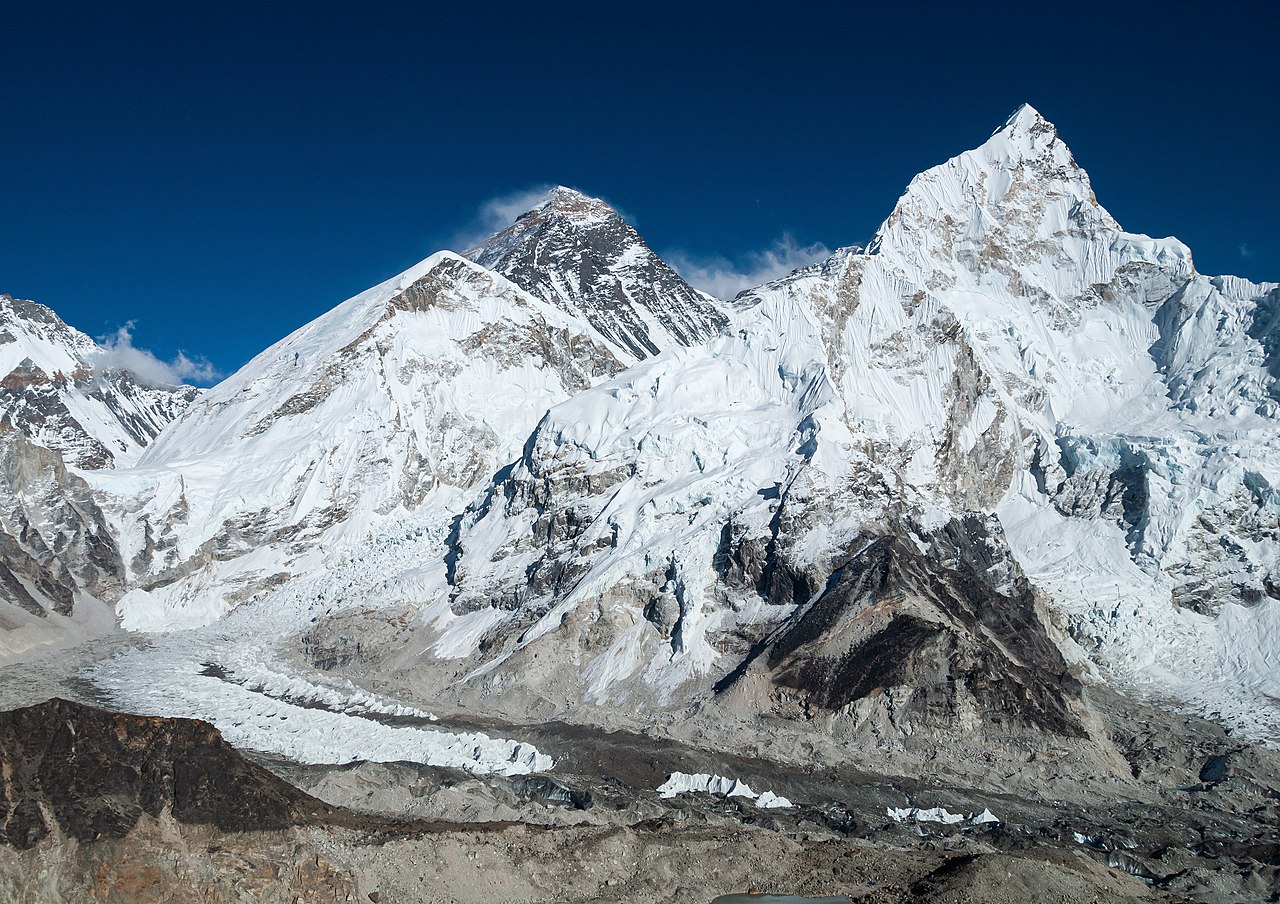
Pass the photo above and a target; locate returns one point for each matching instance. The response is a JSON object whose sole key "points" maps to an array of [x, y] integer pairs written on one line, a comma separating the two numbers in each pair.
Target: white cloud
{"points": [[118, 351], [497, 214], [723, 278], [1245, 250]]}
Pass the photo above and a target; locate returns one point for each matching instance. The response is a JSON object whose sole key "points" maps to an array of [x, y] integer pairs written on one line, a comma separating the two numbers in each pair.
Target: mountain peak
{"points": [[1025, 134], [577, 252], [1024, 118], [564, 198], [565, 204], [1017, 209], [55, 391]]}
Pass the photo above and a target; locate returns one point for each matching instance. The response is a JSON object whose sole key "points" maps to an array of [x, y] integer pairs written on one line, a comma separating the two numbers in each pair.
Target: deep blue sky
{"points": [[222, 173]]}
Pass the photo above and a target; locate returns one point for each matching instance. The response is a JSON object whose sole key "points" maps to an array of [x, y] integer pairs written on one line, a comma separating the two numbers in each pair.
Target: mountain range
{"points": [[919, 501]]}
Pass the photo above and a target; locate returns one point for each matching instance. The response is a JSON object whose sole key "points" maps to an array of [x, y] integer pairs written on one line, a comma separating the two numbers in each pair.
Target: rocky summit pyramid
{"points": [[579, 254], [954, 503]]}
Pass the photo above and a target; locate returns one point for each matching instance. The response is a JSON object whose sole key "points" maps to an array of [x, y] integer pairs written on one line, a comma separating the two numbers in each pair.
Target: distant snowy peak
{"points": [[577, 253], [53, 393]]}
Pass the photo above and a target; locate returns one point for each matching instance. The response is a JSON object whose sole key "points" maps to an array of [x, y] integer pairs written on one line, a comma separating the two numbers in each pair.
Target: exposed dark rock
{"points": [[95, 773], [932, 621]]}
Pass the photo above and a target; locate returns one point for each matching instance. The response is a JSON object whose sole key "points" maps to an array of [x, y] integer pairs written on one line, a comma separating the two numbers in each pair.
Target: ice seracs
{"points": [[701, 783], [939, 814]]}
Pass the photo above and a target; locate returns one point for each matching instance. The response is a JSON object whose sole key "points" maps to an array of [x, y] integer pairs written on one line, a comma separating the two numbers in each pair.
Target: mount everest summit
{"points": [[910, 499]]}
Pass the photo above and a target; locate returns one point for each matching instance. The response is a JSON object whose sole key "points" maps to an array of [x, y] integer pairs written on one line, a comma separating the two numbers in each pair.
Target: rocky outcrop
{"points": [[90, 774], [55, 544], [949, 622]]}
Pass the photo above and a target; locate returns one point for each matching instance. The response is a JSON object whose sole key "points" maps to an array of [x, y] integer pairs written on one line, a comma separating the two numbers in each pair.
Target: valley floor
{"points": [[595, 828]]}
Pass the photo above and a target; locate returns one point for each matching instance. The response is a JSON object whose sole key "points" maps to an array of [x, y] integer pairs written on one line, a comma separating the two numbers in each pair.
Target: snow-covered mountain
{"points": [[397, 400], [61, 410], [1047, 407], [54, 391], [913, 498]]}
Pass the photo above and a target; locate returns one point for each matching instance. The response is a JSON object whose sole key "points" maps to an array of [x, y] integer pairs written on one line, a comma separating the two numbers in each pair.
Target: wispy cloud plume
{"points": [[1245, 250], [118, 351], [723, 278], [497, 214]]}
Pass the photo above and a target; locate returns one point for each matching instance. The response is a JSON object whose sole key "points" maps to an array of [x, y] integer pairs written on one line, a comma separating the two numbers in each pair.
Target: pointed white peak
{"points": [[1026, 124], [1027, 136], [1017, 210]]}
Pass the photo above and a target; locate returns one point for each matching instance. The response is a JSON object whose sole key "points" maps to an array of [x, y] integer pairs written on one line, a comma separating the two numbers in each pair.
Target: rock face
{"points": [[60, 564], [104, 806], [961, 647], [577, 253], [54, 542], [90, 774]]}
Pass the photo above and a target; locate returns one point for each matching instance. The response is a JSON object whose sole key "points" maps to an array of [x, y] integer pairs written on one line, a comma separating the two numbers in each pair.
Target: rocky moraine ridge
{"points": [[963, 547]]}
